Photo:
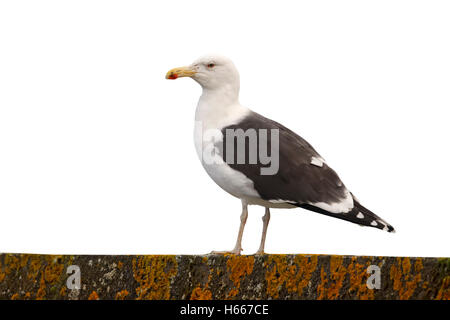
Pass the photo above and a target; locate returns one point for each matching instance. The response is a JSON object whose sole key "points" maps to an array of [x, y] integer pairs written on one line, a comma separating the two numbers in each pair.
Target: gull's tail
{"points": [[359, 214]]}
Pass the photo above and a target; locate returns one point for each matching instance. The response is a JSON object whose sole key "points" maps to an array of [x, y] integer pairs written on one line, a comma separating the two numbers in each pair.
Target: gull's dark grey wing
{"points": [[303, 178]]}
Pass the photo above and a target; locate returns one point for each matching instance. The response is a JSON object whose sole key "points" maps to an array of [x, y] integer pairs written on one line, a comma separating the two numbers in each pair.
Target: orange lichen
{"points": [[34, 267], [52, 273], [121, 295], [294, 277], [337, 274], [23, 260], [239, 267], [153, 274], [406, 265], [321, 291], [93, 296], [201, 294], [358, 280], [405, 283], [44, 277], [62, 292], [444, 290], [11, 263], [40, 295], [15, 296]]}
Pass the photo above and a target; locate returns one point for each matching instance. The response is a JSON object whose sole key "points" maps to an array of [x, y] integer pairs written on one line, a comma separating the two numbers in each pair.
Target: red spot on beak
{"points": [[173, 76]]}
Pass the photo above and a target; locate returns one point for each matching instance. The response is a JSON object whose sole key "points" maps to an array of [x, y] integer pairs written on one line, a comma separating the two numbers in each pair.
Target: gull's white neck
{"points": [[218, 108]]}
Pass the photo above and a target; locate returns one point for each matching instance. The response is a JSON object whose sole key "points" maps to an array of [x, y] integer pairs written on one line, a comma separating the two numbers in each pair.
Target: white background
{"points": [[96, 147]]}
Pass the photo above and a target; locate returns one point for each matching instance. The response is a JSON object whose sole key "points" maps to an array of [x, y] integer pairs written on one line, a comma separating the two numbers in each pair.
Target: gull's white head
{"points": [[212, 72]]}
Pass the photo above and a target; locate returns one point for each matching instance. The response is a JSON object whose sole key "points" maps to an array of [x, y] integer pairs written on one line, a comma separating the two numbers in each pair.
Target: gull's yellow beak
{"points": [[180, 72]]}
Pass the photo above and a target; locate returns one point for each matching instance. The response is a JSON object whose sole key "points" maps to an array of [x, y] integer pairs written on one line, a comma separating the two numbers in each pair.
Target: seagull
{"points": [[233, 144]]}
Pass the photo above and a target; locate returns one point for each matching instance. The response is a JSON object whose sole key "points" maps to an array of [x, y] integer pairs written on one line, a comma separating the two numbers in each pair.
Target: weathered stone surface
{"points": [[27, 276]]}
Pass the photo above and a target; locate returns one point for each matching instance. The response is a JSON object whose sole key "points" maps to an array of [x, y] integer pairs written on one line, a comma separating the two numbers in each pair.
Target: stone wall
{"points": [[27, 276]]}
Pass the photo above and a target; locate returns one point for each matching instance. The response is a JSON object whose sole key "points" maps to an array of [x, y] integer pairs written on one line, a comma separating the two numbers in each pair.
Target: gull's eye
{"points": [[211, 65]]}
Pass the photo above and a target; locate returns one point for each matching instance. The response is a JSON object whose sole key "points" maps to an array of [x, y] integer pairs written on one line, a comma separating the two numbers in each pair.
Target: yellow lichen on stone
{"points": [[204, 293], [34, 267], [239, 267], [27, 276], [276, 274], [53, 270], [40, 295], [444, 290], [121, 295], [52, 273], [2, 274], [15, 296], [305, 268], [23, 260], [336, 276], [153, 274], [93, 296], [11, 263], [201, 294], [294, 277], [403, 282], [321, 287], [358, 280]]}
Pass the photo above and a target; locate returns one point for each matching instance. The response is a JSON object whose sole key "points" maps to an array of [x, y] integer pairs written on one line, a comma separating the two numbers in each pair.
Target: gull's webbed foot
{"points": [[236, 251]]}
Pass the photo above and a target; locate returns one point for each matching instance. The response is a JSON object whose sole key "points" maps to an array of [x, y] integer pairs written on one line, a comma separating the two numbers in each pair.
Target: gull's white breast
{"points": [[207, 134]]}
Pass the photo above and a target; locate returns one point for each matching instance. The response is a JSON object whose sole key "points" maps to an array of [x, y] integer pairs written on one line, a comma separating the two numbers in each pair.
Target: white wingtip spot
{"points": [[360, 215], [317, 161], [343, 206], [374, 223]]}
